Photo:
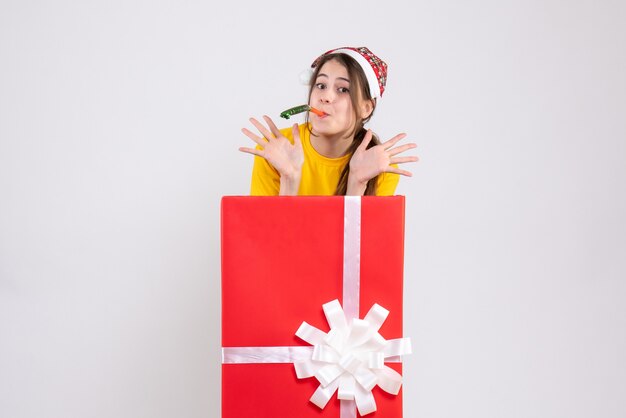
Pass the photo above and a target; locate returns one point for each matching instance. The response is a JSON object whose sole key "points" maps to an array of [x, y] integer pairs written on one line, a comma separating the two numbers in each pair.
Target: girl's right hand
{"points": [[285, 157]]}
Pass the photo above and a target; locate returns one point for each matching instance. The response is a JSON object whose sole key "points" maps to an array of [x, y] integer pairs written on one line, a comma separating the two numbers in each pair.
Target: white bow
{"points": [[350, 357]]}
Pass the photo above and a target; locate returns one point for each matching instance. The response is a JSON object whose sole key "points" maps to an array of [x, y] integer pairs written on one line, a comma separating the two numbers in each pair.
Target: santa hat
{"points": [[374, 68]]}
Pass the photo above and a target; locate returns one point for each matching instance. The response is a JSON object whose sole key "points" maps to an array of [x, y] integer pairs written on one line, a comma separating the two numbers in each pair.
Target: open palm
{"points": [[285, 157], [366, 164]]}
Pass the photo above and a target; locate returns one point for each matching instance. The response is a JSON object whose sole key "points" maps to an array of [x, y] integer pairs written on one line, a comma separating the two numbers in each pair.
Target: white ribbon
{"points": [[350, 358], [351, 255], [242, 355]]}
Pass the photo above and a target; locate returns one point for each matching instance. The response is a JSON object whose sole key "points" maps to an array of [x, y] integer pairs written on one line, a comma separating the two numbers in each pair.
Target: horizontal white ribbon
{"points": [[247, 355], [274, 355]]}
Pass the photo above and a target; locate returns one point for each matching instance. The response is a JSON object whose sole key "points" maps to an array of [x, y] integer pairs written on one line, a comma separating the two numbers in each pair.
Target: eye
{"points": [[320, 86], [343, 90]]}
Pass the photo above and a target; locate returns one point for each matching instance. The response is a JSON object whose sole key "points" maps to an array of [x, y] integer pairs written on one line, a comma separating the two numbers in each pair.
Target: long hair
{"points": [[361, 92]]}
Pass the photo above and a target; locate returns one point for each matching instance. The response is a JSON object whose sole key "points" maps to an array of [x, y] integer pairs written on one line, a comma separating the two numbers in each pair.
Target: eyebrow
{"points": [[340, 78]]}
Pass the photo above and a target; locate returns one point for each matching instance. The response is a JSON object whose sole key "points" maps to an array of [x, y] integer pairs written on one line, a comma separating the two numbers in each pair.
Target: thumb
{"points": [[366, 140]]}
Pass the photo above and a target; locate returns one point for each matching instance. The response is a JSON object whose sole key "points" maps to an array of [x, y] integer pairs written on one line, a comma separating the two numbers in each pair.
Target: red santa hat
{"points": [[374, 68]]}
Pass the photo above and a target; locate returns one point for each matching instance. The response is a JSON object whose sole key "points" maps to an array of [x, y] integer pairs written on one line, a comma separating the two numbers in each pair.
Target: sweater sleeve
{"points": [[387, 183]]}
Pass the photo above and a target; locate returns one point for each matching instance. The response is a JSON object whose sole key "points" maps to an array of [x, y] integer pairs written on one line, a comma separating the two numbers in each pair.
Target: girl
{"points": [[332, 153]]}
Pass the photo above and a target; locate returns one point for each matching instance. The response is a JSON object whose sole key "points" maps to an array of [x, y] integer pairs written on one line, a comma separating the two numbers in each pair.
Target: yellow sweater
{"points": [[320, 174]]}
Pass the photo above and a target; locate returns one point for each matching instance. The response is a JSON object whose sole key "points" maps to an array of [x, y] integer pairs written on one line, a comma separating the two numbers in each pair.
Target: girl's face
{"points": [[331, 94]]}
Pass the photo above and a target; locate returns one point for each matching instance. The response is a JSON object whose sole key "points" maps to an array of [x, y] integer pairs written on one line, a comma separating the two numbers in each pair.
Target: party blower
{"points": [[299, 109]]}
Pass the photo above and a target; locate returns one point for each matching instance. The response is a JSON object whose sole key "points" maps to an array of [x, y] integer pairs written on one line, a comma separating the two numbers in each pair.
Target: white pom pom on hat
{"points": [[305, 76], [374, 68]]}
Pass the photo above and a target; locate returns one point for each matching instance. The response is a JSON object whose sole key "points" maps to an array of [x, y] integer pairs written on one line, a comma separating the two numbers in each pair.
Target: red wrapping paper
{"points": [[282, 259]]}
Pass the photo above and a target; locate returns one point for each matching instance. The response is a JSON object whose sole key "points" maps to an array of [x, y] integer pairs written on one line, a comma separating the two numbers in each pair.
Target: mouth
{"points": [[319, 113]]}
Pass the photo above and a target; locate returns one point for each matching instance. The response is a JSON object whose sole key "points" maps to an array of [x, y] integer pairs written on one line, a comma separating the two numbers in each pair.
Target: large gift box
{"points": [[312, 306]]}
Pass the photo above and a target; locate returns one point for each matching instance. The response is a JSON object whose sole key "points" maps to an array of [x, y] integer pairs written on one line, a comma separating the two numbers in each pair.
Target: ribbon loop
{"points": [[306, 368], [334, 315], [376, 316], [346, 388], [375, 360], [389, 380], [324, 354], [365, 402], [327, 374], [336, 338], [366, 378], [360, 332], [310, 334], [322, 395]]}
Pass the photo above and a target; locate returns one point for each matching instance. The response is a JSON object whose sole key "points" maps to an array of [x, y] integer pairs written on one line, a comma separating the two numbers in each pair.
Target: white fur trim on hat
{"points": [[372, 81]]}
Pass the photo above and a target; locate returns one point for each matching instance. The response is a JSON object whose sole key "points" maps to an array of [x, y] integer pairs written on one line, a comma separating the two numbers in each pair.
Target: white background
{"points": [[119, 128]]}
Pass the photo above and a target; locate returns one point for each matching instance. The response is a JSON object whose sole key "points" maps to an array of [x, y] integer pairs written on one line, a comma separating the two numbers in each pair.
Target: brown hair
{"points": [[361, 92]]}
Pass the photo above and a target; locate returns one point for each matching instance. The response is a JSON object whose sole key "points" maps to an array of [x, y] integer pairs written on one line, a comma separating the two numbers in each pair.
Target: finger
{"points": [[272, 126], [390, 143], [400, 160], [267, 134], [366, 140], [261, 141], [395, 170], [252, 151], [401, 148]]}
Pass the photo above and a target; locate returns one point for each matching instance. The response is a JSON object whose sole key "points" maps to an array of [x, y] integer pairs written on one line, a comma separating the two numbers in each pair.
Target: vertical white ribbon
{"points": [[351, 274], [351, 256]]}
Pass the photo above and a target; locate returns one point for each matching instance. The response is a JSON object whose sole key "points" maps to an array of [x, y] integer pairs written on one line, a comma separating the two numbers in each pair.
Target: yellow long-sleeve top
{"points": [[320, 175]]}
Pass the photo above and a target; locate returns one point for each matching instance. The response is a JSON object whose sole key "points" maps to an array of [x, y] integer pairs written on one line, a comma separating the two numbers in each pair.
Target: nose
{"points": [[327, 96]]}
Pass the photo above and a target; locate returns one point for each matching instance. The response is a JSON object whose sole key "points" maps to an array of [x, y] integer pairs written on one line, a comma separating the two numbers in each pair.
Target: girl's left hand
{"points": [[366, 164]]}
